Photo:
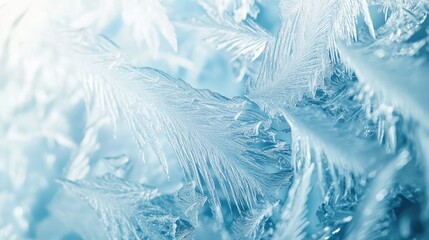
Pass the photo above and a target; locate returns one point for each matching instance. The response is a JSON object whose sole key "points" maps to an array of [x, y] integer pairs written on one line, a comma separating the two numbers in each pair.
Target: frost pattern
{"points": [[133, 211], [396, 80], [148, 20], [252, 224], [293, 221], [295, 119], [298, 59], [246, 38], [191, 125]]}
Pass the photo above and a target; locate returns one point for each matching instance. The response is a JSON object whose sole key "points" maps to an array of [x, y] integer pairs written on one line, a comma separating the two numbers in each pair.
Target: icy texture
{"points": [[214, 119], [293, 222], [130, 211], [205, 130]]}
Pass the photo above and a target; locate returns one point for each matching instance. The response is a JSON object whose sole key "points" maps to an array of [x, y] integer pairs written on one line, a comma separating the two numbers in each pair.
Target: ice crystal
{"points": [[224, 119], [131, 211]]}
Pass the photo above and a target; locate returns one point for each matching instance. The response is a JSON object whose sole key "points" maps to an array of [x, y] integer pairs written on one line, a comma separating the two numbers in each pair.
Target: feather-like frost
{"points": [[299, 60], [133, 211], [252, 225], [402, 81], [371, 217], [342, 147], [79, 166], [293, 220], [239, 8], [240, 39], [148, 20], [210, 134]]}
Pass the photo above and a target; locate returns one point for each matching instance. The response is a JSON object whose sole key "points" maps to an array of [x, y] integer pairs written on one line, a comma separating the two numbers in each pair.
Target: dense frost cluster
{"points": [[214, 119]]}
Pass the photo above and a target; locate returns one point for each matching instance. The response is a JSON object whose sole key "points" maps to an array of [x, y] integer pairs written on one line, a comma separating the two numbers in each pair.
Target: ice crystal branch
{"points": [[370, 220], [148, 20], [206, 131], [298, 61], [293, 221], [400, 81], [252, 224], [350, 154], [133, 211], [241, 39]]}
